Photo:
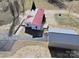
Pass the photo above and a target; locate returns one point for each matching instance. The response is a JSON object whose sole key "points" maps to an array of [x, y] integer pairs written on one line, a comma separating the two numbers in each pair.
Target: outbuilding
{"points": [[63, 38], [35, 19], [34, 22]]}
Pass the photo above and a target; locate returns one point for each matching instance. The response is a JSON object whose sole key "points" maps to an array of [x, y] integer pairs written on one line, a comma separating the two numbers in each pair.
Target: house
{"points": [[37, 22], [34, 22], [35, 19]]}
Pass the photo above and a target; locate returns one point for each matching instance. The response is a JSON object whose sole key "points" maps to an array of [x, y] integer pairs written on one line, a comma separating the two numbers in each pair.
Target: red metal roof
{"points": [[38, 17]]}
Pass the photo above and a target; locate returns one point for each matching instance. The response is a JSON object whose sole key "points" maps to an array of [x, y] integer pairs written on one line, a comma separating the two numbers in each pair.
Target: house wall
{"points": [[39, 27], [70, 41]]}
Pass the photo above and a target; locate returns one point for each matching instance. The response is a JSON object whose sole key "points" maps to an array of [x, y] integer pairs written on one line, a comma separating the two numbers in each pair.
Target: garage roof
{"points": [[38, 17], [62, 30]]}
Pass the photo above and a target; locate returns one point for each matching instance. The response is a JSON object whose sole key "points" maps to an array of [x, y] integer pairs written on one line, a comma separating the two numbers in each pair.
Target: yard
{"points": [[67, 20]]}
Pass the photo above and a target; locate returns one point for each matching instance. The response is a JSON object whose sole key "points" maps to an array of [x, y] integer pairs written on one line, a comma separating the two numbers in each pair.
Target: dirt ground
{"points": [[24, 48], [73, 6], [35, 49]]}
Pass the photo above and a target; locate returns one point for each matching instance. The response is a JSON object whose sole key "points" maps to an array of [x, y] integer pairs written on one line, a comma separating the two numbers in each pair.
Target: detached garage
{"points": [[63, 38]]}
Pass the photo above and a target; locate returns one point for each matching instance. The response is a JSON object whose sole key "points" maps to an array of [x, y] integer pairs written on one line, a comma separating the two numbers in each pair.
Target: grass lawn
{"points": [[39, 3], [70, 20], [6, 17]]}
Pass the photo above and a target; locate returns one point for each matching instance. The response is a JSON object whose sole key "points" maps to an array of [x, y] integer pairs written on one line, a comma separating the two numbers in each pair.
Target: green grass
{"points": [[64, 19]]}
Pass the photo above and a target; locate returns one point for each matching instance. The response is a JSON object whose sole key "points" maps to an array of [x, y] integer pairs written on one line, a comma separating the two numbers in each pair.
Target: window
{"points": [[36, 27], [27, 24]]}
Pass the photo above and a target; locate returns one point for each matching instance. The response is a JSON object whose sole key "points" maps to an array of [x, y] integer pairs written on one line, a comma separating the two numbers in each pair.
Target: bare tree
{"points": [[13, 24], [71, 6], [17, 6], [23, 2]]}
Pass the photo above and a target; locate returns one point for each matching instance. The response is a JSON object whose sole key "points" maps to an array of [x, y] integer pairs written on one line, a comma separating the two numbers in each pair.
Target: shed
{"points": [[35, 19], [37, 22], [63, 38]]}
